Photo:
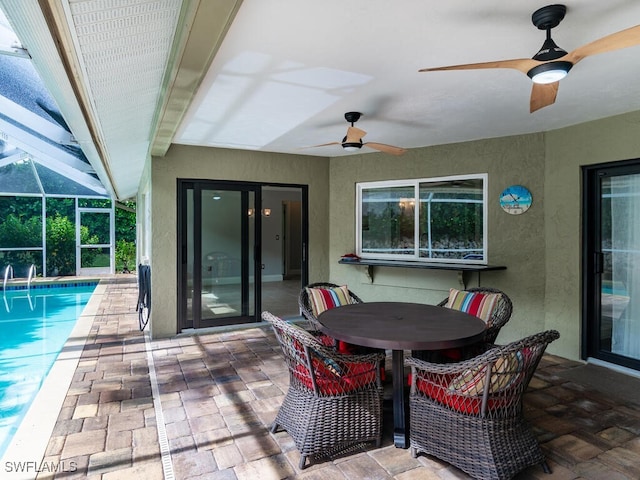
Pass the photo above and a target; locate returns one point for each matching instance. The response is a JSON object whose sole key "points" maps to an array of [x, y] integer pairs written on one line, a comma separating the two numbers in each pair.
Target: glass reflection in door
{"points": [[221, 241]]}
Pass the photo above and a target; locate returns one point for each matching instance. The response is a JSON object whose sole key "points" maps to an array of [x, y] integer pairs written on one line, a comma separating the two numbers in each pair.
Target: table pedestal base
{"points": [[399, 421]]}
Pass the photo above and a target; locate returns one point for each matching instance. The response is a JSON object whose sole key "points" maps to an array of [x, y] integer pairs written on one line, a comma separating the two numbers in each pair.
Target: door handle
{"points": [[598, 262]]}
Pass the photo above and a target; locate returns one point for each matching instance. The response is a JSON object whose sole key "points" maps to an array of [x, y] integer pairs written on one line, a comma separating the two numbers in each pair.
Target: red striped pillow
{"points": [[481, 305], [322, 299]]}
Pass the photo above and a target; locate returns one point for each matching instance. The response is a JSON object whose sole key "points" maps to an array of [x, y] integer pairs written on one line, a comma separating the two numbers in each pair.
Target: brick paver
{"points": [[221, 391]]}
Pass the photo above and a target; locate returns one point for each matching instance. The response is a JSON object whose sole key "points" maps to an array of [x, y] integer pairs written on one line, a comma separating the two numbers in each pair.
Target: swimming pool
{"points": [[34, 327]]}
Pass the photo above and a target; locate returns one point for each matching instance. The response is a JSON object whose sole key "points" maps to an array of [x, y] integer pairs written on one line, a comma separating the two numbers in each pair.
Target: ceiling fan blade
{"points": [[616, 41], [386, 148], [543, 95], [321, 145], [354, 135], [521, 64]]}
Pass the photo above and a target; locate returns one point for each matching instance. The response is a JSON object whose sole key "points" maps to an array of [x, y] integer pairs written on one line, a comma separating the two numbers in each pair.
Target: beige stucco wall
{"points": [[568, 149], [541, 248], [222, 164], [516, 241]]}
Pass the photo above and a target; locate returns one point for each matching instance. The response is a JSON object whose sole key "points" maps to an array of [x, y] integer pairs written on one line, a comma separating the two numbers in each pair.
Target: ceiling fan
{"points": [[353, 140], [552, 63]]}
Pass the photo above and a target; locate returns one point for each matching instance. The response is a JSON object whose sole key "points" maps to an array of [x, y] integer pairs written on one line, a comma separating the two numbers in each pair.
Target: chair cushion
{"points": [[353, 376], [322, 299], [506, 370], [440, 393], [479, 304]]}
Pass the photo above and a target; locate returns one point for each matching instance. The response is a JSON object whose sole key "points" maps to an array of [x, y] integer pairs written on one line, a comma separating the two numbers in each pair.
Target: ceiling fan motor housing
{"points": [[548, 17], [352, 117]]}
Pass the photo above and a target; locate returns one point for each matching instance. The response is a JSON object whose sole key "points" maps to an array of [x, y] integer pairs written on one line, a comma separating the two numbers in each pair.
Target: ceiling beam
{"points": [[37, 147], [54, 132], [13, 158], [202, 27]]}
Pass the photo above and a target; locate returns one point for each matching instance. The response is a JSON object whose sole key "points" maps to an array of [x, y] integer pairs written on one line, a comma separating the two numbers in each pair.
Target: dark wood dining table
{"points": [[400, 326]]}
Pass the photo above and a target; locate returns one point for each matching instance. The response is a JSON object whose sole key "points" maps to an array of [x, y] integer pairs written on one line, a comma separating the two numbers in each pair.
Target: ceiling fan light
{"points": [[549, 72], [351, 146]]}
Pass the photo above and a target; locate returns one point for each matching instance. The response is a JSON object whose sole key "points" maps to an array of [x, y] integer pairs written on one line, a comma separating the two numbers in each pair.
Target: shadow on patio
{"points": [[219, 393]]}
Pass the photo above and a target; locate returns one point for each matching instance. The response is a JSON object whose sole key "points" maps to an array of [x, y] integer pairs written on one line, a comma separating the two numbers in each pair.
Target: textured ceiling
{"points": [[132, 77]]}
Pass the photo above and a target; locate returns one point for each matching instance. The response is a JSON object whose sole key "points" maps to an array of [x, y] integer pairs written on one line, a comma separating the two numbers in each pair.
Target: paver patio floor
{"points": [[219, 393]]}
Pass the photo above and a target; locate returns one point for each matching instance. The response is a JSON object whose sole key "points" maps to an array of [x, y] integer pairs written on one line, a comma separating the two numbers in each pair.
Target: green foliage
{"points": [[61, 245], [21, 261], [17, 232], [23, 207], [21, 227], [65, 207], [126, 223], [457, 221], [125, 255]]}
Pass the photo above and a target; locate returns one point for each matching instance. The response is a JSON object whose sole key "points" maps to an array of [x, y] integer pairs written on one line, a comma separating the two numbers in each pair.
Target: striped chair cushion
{"points": [[481, 305], [322, 299]]}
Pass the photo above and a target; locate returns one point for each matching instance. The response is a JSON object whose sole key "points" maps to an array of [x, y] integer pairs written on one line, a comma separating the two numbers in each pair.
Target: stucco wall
{"points": [[516, 241], [222, 164], [609, 140], [541, 248]]}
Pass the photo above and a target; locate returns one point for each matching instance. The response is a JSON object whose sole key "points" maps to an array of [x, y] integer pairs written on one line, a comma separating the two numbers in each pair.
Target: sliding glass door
{"points": [[612, 263], [242, 250], [219, 277]]}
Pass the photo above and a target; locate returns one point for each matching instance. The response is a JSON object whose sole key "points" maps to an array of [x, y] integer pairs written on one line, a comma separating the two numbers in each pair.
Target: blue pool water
{"points": [[33, 329]]}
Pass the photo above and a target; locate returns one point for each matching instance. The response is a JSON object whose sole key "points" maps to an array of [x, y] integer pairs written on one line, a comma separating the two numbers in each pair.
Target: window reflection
{"points": [[446, 223], [388, 221], [451, 220]]}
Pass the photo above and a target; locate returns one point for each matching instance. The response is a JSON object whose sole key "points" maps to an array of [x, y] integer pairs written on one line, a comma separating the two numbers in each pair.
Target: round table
{"points": [[400, 326]]}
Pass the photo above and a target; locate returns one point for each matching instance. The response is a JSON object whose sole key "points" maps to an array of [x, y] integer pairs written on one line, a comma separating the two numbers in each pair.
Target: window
{"points": [[428, 219]]}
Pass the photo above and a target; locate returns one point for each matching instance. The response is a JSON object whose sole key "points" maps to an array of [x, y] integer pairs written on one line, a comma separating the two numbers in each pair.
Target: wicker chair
{"points": [[334, 401], [304, 302], [499, 317], [470, 413]]}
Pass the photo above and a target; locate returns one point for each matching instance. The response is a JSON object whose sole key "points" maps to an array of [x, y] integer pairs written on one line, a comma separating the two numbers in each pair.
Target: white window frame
{"points": [[415, 183]]}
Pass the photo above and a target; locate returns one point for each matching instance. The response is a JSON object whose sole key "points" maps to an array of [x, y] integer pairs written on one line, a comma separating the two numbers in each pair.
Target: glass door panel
{"points": [[248, 214], [218, 248], [620, 286], [221, 240], [189, 268], [611, 263]]}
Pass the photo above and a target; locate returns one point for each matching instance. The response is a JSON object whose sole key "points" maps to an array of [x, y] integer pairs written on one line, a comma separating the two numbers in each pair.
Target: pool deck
{"points": [[218, 393]]}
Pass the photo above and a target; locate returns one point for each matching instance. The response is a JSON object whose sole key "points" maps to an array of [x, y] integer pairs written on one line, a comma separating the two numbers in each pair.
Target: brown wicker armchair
{"points": [[469, 413], [498, 316], [334, 401]]}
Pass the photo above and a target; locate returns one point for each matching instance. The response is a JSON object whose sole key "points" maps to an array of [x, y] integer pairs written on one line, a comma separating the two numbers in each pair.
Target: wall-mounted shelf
{"points": [[462, 268]]}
